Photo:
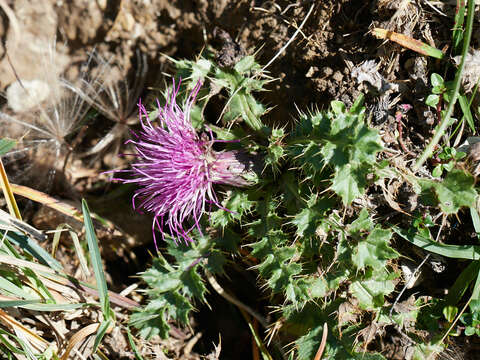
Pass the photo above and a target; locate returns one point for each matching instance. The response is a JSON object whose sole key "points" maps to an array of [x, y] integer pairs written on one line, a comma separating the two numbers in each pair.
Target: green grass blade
{"points": [[469, 252], [131, 341], [465, 278], [31, 246], [6, 145], [56, 307], [476, 288], [96, 261], [7, 343], [19, 303], [37, 284], [37, 305], [9, 287], [76, 244], [102, 330], [465, 106], [457, 34], [475, 220]]}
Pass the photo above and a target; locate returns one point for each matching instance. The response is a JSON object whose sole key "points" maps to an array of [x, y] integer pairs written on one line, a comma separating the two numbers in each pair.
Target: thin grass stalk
{"points": [[442, 127]]}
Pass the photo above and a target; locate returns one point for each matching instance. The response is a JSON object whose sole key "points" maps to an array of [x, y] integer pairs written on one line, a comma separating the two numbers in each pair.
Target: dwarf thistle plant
{"points": [[315, 263], [309, 257]]}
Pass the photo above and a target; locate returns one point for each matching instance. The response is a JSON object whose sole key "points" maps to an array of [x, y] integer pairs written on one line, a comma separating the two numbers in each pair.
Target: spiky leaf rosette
{"points": [[339, 138]]}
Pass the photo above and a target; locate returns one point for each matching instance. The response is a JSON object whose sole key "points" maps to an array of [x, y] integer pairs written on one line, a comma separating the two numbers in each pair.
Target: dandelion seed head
{"points": [[45, 114]]}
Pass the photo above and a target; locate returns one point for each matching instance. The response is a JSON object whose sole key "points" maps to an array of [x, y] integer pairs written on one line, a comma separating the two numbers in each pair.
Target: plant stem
{"points": [[440, 129]]}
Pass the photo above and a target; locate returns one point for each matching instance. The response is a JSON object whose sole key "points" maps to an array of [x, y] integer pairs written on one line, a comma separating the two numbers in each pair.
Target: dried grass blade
{"points": [[78, 337], [46, 200], [60, 206], [408, 42], [10, 260], [323, 343], [8, 193], [14, 223], [70, 283], [36, 341]]}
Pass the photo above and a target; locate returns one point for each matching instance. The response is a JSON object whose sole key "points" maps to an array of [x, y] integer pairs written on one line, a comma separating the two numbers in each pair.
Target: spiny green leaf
{"points": [[306, 289], [244, 105], [309, 218], [362, 223], [171, 289], [349, 182], [340, 139], [246, 64], [275, 150], [269, 218], [276, 265], [228, 240], [305, 221], [338, 348], [237, 203], [405, 314], [152, 319], [193, 71], [338, 107], [216, 262], [370, 293], [192, 285], [455, 191], [375, 251], [308, 344], [427, 351]]}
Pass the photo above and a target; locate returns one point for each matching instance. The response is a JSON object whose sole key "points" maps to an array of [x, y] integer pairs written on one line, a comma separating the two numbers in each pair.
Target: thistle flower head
{"points": [[176, 168]]}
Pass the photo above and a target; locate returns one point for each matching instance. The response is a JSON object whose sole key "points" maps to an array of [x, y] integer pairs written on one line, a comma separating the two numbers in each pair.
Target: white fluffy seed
{"points": [[26, 95]]}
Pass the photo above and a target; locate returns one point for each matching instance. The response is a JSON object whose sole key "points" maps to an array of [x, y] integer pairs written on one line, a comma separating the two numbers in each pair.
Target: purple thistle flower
{"points": [[176, 168]]}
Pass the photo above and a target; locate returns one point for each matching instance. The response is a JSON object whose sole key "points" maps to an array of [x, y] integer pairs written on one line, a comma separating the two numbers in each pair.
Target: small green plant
{"points": [[422, 223], [471, 320], [448, 157], [440, 91], [441, 96]]}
